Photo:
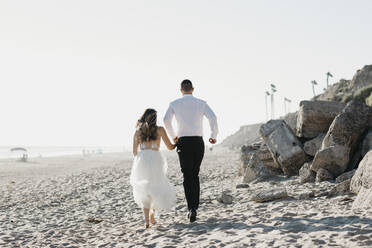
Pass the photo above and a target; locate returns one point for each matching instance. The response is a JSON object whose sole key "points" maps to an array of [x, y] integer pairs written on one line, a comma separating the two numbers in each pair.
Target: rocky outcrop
{"points": [[361, 183], [344, 89], [306, 174], [342, 137], [335, 92], [362, 78], [315, 117], [312, 146], [270, 195], [284, 146]]}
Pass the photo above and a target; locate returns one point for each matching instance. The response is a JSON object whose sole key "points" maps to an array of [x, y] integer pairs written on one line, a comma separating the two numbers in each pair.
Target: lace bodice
{"points": [[153, 146]]}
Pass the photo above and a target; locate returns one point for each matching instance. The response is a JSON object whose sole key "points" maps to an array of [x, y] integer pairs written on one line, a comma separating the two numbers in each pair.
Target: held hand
{"points": [[212, 141], [175, 140], [174, 146]]}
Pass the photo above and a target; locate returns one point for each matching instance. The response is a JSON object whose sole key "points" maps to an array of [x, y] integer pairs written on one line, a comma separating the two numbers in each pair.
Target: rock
{"points": [[242, 186], [267, 159], [363, 199], [361, 78], [245, 156], [363, 175], [315, 117], [323, 175], [340, 189], [345, 176], [270, 195], [333, 158], [225, 198], [312, 146], [367, 143], [291, 120], [335, 92], [256, 171], [306, 174], [341, 140], [284, 146]]}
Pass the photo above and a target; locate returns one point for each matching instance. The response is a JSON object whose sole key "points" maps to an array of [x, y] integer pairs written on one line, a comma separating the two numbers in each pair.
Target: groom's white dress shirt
{"points": [[189, 112]]}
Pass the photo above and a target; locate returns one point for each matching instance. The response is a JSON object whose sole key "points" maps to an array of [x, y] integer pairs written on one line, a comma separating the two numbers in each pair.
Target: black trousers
{"points": [[190, 150]]}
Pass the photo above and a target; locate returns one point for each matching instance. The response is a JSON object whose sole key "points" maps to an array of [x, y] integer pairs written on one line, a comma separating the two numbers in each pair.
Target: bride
{"points": [[151, 188]]}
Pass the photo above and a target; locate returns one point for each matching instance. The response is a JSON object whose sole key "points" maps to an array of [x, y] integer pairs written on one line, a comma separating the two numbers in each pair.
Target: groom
{"points": [[189, 112]]}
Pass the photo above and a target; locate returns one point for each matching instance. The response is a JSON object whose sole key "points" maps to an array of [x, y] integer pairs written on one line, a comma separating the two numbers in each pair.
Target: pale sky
{"points": [[82, 72]]}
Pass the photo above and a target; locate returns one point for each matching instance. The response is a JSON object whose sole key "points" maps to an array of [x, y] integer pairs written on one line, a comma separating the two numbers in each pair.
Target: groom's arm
{"points": [[168, 121], [212, 118]]}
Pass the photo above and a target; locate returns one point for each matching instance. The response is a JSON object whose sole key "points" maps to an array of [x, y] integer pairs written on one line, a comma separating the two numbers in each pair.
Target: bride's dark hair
{"points": [[147, 125]]}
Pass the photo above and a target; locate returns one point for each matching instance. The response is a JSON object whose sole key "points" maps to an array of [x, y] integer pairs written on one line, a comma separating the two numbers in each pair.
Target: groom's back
{"points": [[189, 111]]}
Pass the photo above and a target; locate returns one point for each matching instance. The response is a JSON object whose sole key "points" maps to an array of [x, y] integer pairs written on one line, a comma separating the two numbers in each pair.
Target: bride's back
{"points": [[152, 144]]}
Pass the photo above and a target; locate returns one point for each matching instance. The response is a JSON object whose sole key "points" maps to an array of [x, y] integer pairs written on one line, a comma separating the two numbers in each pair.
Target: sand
{"points": [[48, 202]]}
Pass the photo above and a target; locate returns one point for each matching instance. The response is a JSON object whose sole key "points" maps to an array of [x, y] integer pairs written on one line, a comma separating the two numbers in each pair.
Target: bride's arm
{"points": [[135, 143], [165, 138]]}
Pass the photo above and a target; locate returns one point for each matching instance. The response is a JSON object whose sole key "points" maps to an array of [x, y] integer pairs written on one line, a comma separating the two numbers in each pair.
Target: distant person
{"points": [[189, 112], [151, 188]]}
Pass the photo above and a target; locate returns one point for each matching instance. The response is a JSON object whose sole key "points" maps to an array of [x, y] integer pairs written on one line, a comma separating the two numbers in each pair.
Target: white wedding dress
{"points": [[148, 178]]}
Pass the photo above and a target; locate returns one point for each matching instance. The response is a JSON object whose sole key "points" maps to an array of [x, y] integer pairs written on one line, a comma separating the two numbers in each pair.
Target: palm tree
{"points": [[267, 111], [313, 84], [273, 90], [328, 76]]}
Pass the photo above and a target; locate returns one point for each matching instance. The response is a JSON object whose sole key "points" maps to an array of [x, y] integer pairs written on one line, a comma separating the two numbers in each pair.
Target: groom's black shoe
{"points": [[192, 215]]}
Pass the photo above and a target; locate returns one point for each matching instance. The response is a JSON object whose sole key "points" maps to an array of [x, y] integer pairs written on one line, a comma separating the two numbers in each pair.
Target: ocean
{"points": [[55, 151]]}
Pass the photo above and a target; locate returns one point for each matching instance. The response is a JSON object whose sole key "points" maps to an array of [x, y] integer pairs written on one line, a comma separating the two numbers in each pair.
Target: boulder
{"points": [[270, 195], [291, 120], [363, 199], [256, 171], [345, 176], [312, 146], [341, 140], [267, 159], [306, 174], [361, 183], [315, 117], [284, 146], [334, 159], [245, 155], [363, 175], [340, 189], [323, 175]]}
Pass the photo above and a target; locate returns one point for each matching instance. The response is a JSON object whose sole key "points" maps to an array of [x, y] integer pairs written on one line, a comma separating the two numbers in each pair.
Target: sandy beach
{"points": [[77, 201]]}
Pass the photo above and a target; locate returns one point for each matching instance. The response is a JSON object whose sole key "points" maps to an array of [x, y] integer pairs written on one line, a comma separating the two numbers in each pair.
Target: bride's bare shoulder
{"points": [[161, 129]]}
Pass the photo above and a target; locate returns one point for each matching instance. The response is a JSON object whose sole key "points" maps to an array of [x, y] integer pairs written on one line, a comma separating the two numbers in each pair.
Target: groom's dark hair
{"points": [[186, 85]]}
